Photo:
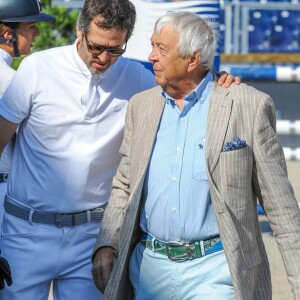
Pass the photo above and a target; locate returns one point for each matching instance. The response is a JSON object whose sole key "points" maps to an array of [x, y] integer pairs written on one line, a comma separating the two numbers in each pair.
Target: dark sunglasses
{"points": [[99, 49]]}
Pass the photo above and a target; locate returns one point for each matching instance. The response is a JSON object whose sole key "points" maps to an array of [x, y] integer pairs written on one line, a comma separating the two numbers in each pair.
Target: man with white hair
{"points": [[182, 222]]}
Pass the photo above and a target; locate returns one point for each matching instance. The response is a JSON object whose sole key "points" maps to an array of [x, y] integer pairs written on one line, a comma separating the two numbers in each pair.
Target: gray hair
{"points": [[112, 14], [195, 33]]}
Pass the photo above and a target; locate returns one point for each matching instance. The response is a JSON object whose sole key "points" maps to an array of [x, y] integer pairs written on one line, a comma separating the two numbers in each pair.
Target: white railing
{"points": [[288, 127], [291, 153]]}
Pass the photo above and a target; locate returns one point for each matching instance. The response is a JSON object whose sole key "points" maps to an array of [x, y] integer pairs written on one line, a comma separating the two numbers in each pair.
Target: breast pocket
{"points": [[236, 176], [199, 163]]}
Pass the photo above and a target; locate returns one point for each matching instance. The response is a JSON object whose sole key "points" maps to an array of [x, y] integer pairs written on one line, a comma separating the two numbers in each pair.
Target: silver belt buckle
{"points": [[187, 251], [171, 247], [190, 252]]}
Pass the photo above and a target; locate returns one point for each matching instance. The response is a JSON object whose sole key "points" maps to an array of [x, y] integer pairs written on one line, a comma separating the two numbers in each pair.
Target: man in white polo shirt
{"points": [[69, 104]]}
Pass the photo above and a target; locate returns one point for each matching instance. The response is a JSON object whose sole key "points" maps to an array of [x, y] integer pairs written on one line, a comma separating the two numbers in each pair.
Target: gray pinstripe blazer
{"points": [[236, 179]]}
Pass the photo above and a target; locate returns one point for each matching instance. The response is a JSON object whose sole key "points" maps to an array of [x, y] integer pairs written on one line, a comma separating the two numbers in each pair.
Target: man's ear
{"points": [[194, 60], [79, 34]]}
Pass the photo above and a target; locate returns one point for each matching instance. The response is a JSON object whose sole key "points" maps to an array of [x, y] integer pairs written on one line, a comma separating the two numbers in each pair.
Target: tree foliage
{"points": [[59, 33], [54, 34], [46, 3]]}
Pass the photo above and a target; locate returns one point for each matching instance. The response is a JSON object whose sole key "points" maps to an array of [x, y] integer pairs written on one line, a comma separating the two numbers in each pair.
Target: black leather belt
{"points": [[57, 219]]}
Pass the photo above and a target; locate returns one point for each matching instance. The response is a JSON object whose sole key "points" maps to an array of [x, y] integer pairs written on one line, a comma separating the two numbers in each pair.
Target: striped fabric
{"points": [[236, 179], [177, 199]]}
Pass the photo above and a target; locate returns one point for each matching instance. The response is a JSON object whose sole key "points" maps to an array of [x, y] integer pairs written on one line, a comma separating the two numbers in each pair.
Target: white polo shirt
{"points": [[7, 72], [6, 75], [67, 150]]}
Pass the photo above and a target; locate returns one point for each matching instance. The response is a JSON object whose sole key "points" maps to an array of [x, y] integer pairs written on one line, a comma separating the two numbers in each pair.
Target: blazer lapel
{"points": [[217, 124], [150, 127]]}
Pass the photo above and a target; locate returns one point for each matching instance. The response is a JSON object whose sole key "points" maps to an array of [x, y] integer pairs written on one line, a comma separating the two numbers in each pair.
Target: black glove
{"points": [[5, 273]]}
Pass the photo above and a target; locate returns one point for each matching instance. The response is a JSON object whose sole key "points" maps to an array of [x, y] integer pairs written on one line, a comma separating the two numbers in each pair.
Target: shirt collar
{"points": [[200, 93], [6, 57]]}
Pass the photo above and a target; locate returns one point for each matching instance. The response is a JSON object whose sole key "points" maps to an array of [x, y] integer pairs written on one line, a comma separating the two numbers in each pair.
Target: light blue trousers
{"points": [[155, 277], [39, 253]]}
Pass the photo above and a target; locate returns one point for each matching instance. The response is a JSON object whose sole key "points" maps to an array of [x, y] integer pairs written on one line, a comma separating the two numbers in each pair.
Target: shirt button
{"points": [[174, 178], [182, 120], [173, 209], [178, 149]]}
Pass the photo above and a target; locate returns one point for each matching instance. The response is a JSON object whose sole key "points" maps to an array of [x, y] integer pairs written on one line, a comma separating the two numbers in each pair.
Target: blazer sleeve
{"points": [[274, 191]]}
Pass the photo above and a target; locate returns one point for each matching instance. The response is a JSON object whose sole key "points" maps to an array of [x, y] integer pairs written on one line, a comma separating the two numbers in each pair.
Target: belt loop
{"points": [[73, 220], [88, 216], [30, 216], [202, 248], [152, 243]]}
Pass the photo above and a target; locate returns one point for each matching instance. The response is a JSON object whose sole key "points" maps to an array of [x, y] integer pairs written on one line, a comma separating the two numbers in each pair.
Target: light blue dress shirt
{"points": [[177, 198]]}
